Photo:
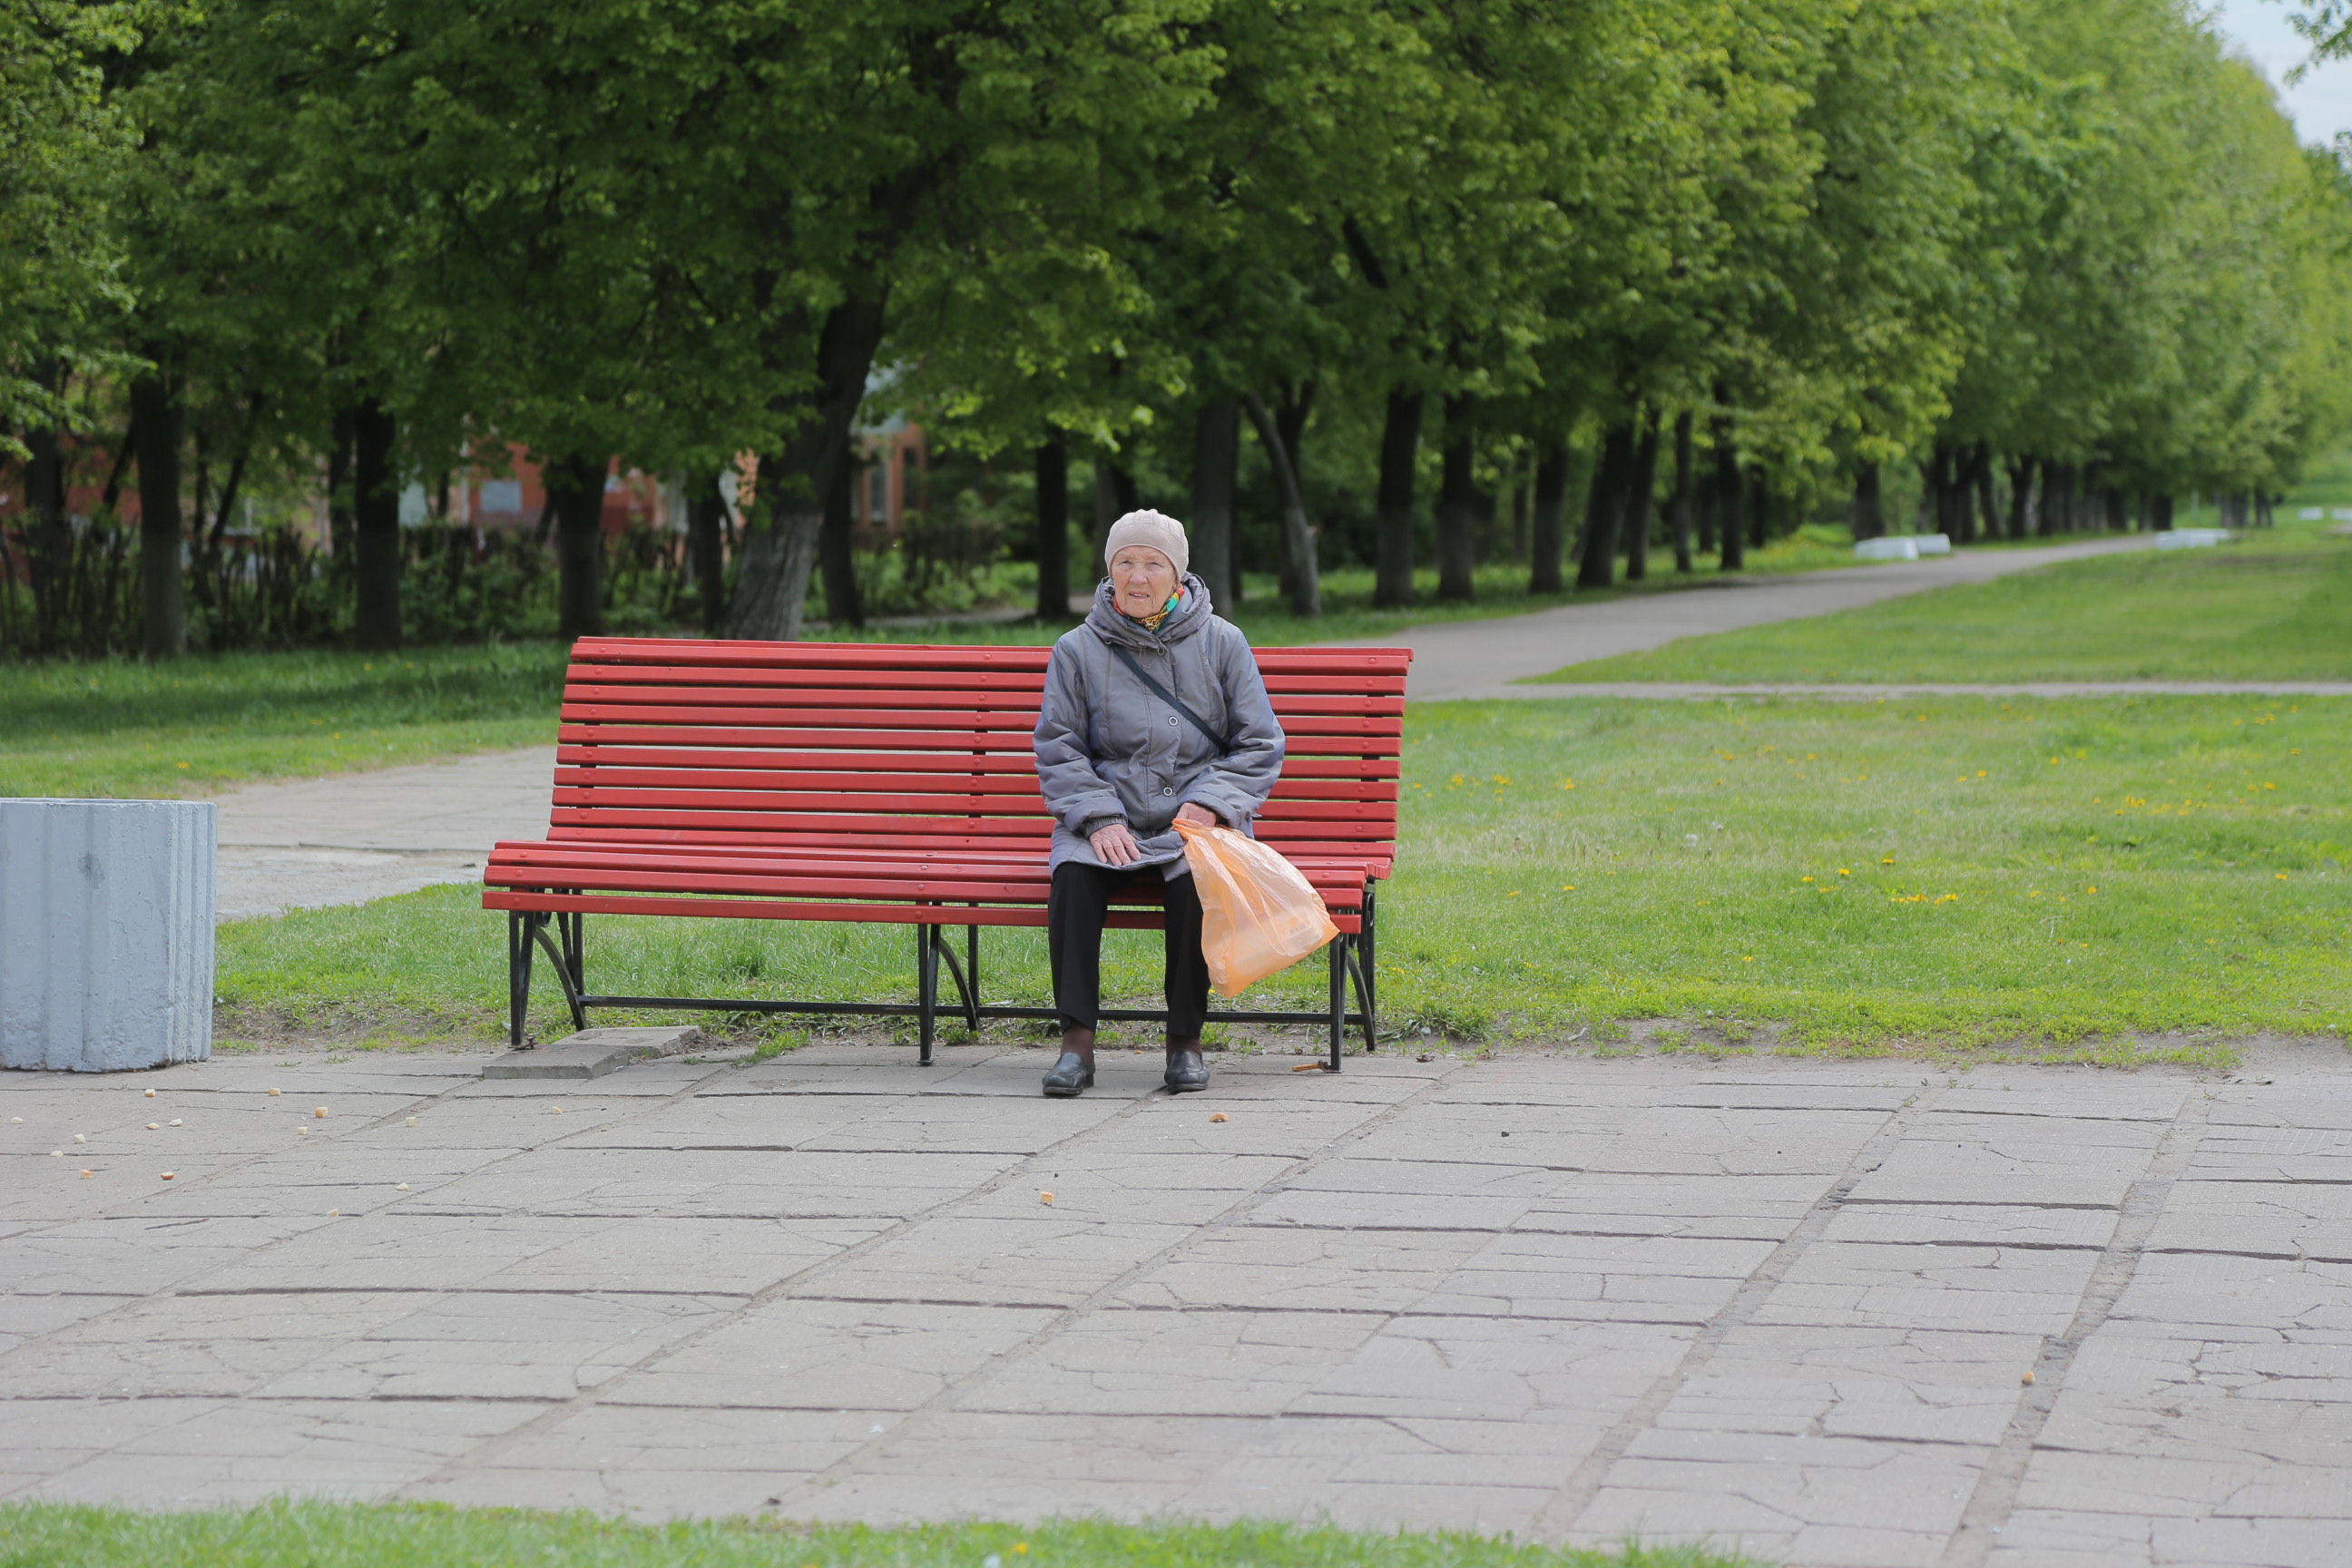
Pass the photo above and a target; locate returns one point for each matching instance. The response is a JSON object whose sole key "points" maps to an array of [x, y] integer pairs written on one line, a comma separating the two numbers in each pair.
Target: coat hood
{"points": [[1187, 620]]}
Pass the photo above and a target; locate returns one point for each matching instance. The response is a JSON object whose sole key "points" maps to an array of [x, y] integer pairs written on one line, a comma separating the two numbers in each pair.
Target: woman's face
{"points": [[1140, 581]]}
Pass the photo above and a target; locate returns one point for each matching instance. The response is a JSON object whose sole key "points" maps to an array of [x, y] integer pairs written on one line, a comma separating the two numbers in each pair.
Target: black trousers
{"points": [[1073, 927]]}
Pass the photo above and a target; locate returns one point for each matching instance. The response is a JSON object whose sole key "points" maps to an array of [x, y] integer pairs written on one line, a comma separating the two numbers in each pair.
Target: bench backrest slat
{"points": [[811, 745]]}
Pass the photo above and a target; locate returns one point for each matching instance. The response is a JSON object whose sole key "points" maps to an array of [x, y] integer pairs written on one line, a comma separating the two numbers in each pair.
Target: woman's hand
{"points": [[1199, 816], [1114, 845]]}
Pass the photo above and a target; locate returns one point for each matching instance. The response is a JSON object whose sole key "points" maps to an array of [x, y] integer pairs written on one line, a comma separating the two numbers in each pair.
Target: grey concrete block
{"points": [[593, 1053], [105, 933]]}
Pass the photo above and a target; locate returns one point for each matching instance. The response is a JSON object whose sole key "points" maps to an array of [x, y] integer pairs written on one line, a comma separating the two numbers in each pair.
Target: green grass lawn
{"points": [[2272, 605], [325, 1535], [122, 728], [2074, 876]]}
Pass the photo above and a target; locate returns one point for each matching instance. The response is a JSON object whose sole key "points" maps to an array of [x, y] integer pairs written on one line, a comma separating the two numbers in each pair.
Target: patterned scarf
{"points": [[1150, 623]]}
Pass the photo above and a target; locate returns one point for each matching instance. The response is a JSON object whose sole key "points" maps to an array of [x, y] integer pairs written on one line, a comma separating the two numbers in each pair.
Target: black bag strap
{"points": [[1223, 742]]}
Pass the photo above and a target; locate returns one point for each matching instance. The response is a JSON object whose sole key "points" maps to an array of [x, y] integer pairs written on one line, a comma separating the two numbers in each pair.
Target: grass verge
{"points": [[329, 1535], [2275, 605], [2104, 879]]}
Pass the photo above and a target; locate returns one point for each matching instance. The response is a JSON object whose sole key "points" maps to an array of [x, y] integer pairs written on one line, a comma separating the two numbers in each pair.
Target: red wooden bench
{"points": [[880, 783]]}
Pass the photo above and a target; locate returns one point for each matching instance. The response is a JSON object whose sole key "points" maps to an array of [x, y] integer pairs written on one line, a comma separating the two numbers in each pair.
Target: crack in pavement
{"points": [[1995, 1496], [1559, 1515]]}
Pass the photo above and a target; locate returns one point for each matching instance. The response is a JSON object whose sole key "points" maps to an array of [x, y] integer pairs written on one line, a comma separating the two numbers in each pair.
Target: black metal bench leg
{"points": [[563, 971], [1356, 967], [967, 986], [1338, 998], [927, 989], [971, 973], [572, 927], [519, 957], [1368, 950]]}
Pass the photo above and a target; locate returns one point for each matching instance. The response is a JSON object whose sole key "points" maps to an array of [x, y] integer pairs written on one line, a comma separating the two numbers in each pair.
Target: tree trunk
{"points": [[1868, 516], [1760, 508], [2160, 513], [575, 489], [164, 622], [1605, 508], [375, 528], [1985, 521], [836, 549], [1400, 456], [1521, 486], [1679, 507], [1640, 500], [1216, 476], [2021, 497], [779, 537], [1297, 533], [1544, 530], [341, 544], [49, 541], [1458, 507], [1052, 460], [1731, 526], [706, 521]]}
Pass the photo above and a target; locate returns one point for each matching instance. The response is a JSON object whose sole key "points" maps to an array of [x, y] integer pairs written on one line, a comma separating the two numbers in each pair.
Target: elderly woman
{"points": [[1154, 711]]}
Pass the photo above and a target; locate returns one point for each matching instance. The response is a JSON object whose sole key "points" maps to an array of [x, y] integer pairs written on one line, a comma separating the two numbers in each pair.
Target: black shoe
{"points": [[1187, 1073], [1072, 1074]]}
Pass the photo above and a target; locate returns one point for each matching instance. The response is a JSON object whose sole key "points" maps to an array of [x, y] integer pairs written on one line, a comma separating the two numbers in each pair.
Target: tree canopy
{"points": [[1746, 254]]}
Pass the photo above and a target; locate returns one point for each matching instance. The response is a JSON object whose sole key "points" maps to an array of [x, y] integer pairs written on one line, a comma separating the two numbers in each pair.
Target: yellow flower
{"points": [[1805, 878], [1844, 872]]}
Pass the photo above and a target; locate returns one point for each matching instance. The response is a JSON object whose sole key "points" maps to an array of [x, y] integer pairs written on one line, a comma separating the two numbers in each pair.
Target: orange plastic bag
{"points": [[1259, 915]]}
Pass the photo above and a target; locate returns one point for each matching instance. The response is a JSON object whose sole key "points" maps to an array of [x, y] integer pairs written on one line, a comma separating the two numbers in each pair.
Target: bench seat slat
{"points": [[1007, 794], [1004, 764], [1347, 920]]}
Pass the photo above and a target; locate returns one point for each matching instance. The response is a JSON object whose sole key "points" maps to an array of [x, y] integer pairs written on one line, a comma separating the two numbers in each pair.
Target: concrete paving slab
{"points": [[591, 1053], [1786, 1304]]}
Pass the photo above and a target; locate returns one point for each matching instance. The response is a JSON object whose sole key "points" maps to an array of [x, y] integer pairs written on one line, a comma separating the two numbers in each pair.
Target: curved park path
{"points": [[354, 837]]}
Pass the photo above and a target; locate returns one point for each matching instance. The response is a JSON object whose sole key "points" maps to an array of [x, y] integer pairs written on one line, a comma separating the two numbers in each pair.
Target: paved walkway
{"points": [[1482, 659], [1788, 1304], [350, 837]]}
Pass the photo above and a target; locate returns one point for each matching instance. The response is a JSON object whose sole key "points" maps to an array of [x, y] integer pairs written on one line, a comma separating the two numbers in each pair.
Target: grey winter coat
{"points": [[1109, 750]]}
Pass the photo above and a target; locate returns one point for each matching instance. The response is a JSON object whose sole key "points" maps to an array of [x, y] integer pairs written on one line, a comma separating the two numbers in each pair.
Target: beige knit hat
{"points": [[1157, 530]]}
